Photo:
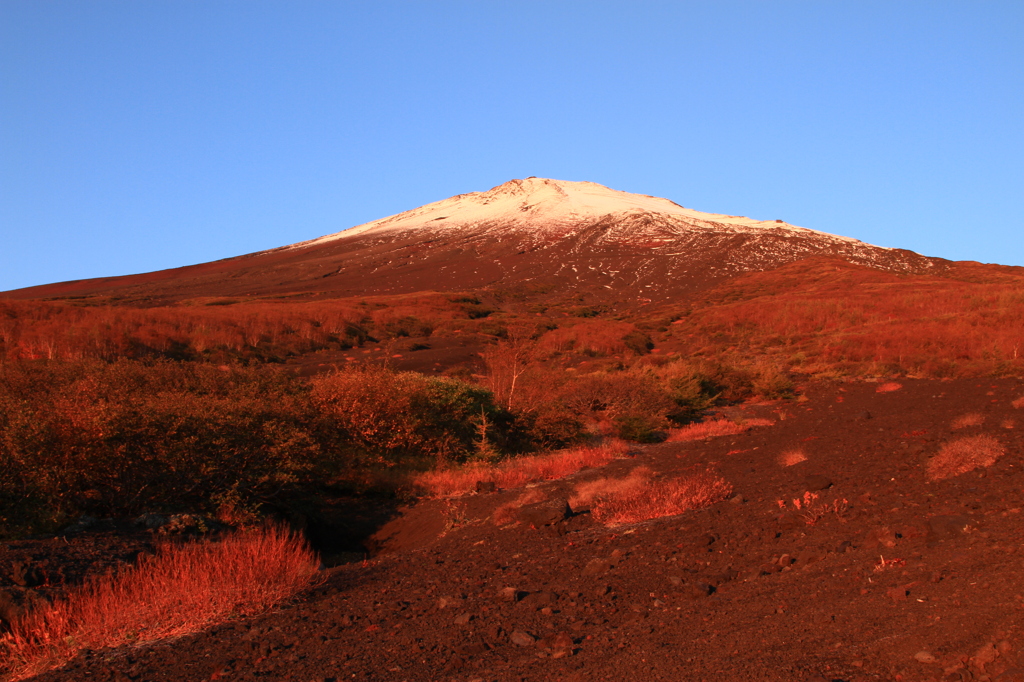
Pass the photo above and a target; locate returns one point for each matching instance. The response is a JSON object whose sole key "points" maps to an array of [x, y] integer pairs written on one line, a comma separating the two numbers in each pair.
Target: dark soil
{"points": [[913, 581]]}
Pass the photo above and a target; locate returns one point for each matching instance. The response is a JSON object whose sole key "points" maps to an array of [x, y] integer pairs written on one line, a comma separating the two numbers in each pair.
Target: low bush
{"points": [[962, 455], [967, 420], [639, 497], [712, 429], [121, 438], [397, 416], [518, 471], [184, 588], [792, 456]]}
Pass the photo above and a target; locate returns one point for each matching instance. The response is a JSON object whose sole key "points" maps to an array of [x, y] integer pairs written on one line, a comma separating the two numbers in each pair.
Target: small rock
{"points": [[883, 536], [541, 598], [597, 567], [924, 657], [984, 655], [675, 580], [463, 619], [737, 499], [486, 486], [511, 594], [816, 482], [520, 638], [545, 513], [946, 527], [705, 540], [898, 593], [602, 590], [559, 645], [865, 415], [701, 590]]}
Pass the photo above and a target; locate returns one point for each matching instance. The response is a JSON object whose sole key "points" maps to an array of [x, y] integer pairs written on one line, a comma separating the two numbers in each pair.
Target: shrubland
{"points": [[111, 408]]}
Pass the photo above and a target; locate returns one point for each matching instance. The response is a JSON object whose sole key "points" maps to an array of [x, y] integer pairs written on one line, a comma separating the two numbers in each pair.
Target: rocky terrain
{"points": [[878, 575]]}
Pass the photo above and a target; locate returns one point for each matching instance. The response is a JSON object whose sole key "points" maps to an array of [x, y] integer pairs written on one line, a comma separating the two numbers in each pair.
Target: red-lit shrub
{"points": [[396, 415], [712, 429], [597, 338], [184, 588], [518, 471], [962, 455], [966, 420], [638, 497]]}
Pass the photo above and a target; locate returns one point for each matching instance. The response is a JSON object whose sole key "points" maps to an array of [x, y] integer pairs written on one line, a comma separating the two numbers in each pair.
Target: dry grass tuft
{"points": [[963, 455], [1018, 403], [184, 588], [1009, 424], [719, 427], [517, 472], [966, 420], [888, 387], [791, 457], [638, 498], [604, 488]]}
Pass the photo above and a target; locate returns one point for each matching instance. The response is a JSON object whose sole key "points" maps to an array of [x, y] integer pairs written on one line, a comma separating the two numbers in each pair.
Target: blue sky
{"points": [[136, 136]]}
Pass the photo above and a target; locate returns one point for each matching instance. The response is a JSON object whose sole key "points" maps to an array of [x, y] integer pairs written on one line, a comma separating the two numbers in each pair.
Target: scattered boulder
{"points": [[924, 657], [545, 513], [511, 594], [520, 638], [558, 645]]}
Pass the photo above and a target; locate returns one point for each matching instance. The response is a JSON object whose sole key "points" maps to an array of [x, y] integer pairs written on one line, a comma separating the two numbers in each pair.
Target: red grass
{"points": [[966, 420], [183, 589], [1019, 402], [793, 456], [519, 471], [662, 498], [963, 455], [719, 427]]}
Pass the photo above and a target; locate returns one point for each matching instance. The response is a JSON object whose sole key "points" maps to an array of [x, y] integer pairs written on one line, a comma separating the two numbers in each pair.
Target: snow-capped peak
{"points": [[540, 203]]}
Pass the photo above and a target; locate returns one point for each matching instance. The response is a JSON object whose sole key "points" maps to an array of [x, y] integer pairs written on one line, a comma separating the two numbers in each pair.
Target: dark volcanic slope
{"points": [[532, 233], [915, 581]]}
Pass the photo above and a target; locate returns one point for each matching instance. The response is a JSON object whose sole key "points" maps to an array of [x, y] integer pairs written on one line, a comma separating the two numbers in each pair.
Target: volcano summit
{"points": [[534, 232]]}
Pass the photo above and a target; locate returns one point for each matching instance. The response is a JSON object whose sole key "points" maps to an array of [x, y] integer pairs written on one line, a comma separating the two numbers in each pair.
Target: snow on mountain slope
{"points": [[555, 206]]}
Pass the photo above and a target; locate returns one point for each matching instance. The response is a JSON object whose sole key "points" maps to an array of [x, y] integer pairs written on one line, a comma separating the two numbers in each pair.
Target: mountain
{"points": [[534, 233]]}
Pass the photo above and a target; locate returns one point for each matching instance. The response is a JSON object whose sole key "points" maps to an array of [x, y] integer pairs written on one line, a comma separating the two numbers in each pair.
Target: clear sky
{"points": [[137, 136]]}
